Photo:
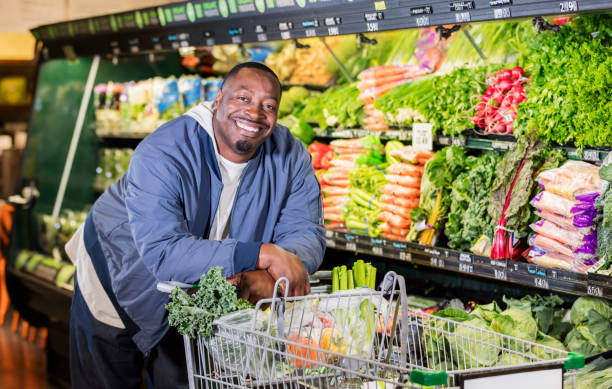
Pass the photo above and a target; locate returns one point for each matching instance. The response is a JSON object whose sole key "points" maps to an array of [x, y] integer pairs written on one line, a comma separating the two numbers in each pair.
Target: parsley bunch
{"points": [[570, 100]]}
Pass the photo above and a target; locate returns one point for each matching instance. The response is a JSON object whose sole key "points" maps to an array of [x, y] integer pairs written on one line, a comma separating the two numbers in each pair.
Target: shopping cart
{"points": [[364, 339]]}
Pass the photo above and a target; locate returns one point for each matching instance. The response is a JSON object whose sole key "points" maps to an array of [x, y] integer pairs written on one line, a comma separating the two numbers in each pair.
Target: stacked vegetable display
{"points": [[401, 194], [565, 236]]}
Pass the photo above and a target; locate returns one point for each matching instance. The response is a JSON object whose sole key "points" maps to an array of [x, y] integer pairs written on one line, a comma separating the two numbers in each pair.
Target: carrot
{"points": [[386, 227], [406, 181], [400, 201], [396, 210], [333, 201], [397, 190], [394, 220], [550, 244], [405, 169], [305, 356], [347, 143], [335, 190]]}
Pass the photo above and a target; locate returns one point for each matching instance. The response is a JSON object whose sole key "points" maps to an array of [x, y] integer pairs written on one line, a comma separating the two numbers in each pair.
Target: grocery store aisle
{"points": [[23, 364]]}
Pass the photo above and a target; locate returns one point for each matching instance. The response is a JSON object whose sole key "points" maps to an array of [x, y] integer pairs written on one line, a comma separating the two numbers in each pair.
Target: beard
{"points": [[244, 147]]}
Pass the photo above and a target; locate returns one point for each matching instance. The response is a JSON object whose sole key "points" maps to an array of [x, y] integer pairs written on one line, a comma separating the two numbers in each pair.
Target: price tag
{"points": [[437, 262], [541, 282], [377, 250], [595, 290], [372, 27], [311, 32], [422, 21], [422, 135], [499, 274], [262, 37], [331, 243], [351, 246], [236, 39], [591, 155], [465, 257], [568, 6], [329, 234], [501, 13], [457, 142], [466, 267], [462, 17], [285, 35], [501, 145], [404, 257]]}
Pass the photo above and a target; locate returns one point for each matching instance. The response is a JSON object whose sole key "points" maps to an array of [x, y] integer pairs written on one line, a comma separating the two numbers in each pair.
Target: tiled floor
{"points": [[23, 364]]}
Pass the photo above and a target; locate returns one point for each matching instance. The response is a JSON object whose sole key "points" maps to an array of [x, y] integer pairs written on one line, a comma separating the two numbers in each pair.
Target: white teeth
{"points": [[245, 127]]}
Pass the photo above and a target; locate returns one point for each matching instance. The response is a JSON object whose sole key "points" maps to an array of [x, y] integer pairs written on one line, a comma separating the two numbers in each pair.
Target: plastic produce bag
{"points": [[583, 223], [191, 90], [234, 348], [548, 201], [559, 261], [570, 237], [572, 180], [586, 251], [167, 98]]}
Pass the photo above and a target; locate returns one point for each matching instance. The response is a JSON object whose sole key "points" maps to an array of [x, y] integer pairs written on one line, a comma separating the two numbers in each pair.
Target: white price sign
{"points": [[422, 135]]}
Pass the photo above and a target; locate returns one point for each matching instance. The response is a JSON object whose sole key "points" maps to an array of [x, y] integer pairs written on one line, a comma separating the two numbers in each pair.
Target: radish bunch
{"points": [[497, 110]]}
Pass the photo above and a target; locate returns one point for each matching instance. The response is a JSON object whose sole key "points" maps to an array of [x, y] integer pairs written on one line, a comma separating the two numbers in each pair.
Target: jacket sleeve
{"points": [[299, 227], [154, 202]]}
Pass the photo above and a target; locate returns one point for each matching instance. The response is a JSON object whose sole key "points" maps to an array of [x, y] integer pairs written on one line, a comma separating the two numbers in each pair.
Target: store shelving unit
{"points": [[121, 43]]}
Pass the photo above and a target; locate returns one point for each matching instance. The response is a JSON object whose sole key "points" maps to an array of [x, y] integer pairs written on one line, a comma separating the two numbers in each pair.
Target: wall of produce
{"points": [[539, 89]]}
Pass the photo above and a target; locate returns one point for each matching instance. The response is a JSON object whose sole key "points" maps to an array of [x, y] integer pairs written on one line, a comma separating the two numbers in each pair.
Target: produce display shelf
{"points": [[123, 135], [207, 23], [481, 143], [467, 263]]}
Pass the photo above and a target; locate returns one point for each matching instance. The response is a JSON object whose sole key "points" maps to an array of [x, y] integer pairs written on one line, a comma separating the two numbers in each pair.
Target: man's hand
{"points": [[281, 263], [254, 285]]}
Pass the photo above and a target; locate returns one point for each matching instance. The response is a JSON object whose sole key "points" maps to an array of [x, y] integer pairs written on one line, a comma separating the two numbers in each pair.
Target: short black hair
{"points": [[251, 65]]}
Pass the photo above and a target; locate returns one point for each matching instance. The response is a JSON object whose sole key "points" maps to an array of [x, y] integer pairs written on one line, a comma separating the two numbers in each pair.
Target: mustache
{"points": [[255, 122]]}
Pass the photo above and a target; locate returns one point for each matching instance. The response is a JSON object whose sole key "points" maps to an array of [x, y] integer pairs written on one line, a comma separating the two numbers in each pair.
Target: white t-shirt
{"points": [[230, 177]]}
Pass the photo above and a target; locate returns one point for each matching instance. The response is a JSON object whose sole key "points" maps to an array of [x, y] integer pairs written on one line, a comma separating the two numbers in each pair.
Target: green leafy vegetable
{"points": [[468, 218], [214, 298], [592, 333], [337, 107], [570, 100]]}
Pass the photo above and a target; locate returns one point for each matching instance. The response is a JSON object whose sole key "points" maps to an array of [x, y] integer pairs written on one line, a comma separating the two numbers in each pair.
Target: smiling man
{"points": [[223, 185]]}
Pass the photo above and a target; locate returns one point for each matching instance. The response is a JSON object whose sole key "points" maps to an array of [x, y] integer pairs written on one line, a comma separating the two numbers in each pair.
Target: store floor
{"points": [[23, 364]]}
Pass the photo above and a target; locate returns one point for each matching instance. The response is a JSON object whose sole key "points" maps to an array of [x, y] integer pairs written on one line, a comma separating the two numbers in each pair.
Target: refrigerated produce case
{"points": [[59, 170]]}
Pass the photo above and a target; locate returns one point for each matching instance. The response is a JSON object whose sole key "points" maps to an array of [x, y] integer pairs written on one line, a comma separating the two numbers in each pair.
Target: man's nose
{"points": [[254, 110]]}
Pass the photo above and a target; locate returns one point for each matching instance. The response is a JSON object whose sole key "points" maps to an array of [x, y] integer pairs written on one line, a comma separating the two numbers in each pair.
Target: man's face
{"points": [[245, 112]]}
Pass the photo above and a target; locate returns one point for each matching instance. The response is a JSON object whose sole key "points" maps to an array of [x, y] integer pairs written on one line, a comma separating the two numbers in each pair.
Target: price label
{"points": [[568, 6], [595, 290], [329, 234], [466, 267], [591, 155], [422, 21], [262, 37], [541, 283], [422, 135], [286, 35], [377, 250], [331, 243], [404, 257], [501, 145], [437, 262], [311, 32], [501, 13], [236, 39], [457, 142], [465, 257], [351, 246], [372, 27], [462, 17], [499, 274]]}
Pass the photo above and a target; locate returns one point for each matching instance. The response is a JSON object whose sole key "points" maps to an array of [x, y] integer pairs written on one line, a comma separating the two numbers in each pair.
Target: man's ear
{"points": [[217, 100]]}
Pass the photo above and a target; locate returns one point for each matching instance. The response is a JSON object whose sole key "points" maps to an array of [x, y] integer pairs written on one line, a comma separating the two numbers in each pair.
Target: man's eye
{"points": [[270, 107], [242, 98]]}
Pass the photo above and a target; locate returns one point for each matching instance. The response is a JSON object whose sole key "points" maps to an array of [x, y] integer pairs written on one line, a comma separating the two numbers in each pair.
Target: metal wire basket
{"points": [[364, 339]]}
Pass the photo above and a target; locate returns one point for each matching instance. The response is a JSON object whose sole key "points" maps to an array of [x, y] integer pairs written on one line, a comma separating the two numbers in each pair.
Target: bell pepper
{"points": [[322, 155]]}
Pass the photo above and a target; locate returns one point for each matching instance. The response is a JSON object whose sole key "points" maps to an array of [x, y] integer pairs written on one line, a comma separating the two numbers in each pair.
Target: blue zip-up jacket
{"points": [[153, 224]]}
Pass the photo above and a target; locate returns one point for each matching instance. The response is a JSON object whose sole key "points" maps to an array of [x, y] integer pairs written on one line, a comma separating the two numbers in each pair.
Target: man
{"points": [[219, 186]]}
